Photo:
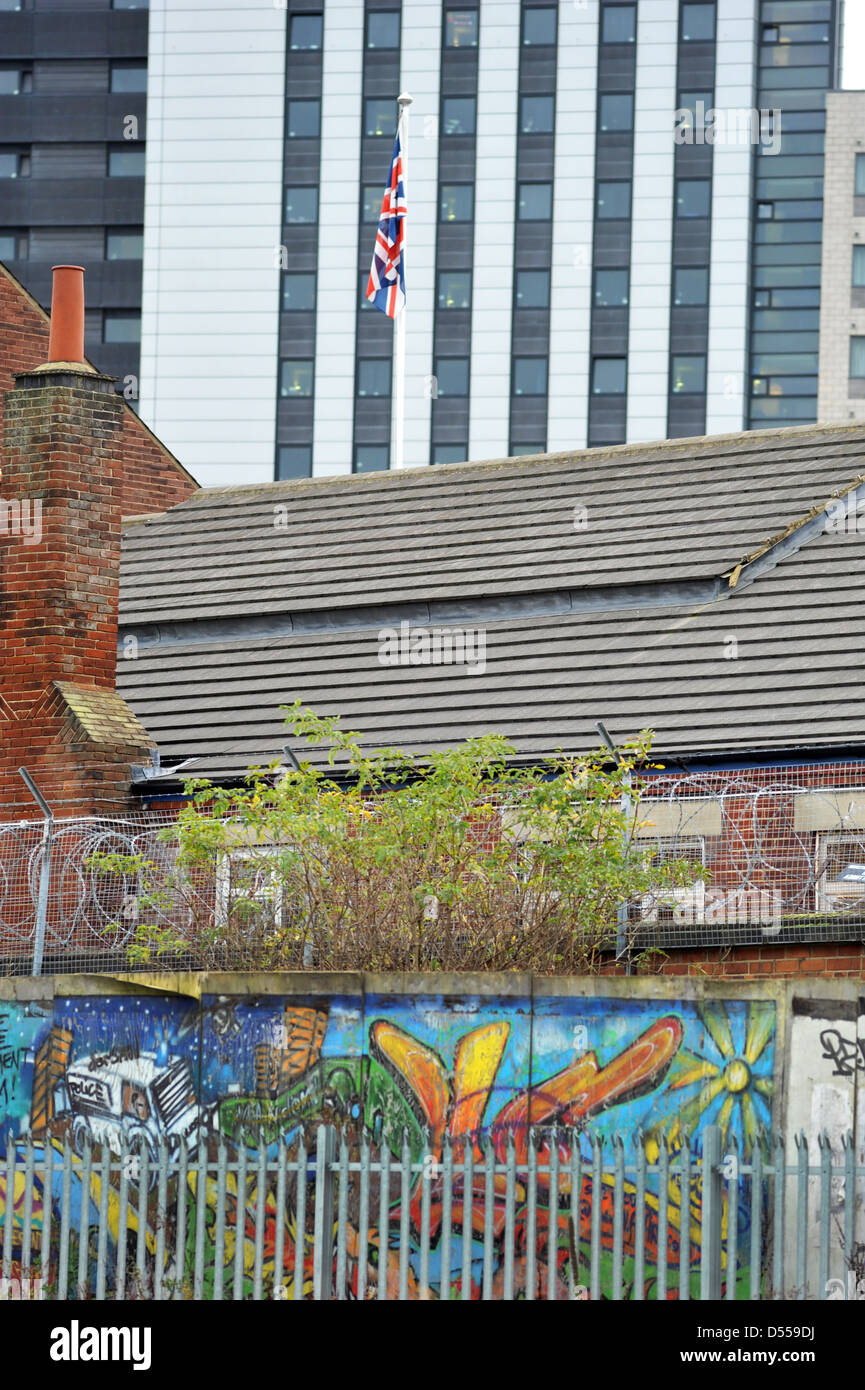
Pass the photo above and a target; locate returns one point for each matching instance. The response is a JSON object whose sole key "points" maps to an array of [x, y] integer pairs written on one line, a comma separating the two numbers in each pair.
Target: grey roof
{"points": [[628, 620]]}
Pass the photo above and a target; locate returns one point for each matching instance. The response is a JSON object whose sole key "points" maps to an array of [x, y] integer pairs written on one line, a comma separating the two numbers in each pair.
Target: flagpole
{"points": [[397, 428]]}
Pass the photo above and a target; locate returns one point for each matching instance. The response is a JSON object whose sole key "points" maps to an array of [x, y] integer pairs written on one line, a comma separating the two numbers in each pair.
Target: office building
{"points": [[613, 235]]}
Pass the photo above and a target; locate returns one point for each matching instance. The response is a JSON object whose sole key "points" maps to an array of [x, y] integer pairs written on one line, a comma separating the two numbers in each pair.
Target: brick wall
{"points": [[830, 959], [152, 479]]}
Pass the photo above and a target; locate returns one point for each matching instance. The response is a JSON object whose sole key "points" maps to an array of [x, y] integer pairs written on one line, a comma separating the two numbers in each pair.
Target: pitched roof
{"points": [[242, 599]]}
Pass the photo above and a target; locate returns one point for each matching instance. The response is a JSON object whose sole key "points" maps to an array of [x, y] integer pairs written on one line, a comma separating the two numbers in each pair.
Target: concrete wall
{"points": [[259, 1058], [842, 307]]}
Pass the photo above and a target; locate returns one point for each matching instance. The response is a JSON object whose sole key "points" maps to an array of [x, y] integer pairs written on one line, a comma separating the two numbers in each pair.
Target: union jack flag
{"points": [[386, 287]]}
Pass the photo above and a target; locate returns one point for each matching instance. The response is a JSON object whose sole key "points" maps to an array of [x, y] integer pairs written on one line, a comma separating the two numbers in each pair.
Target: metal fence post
{"points": [[710, 1241], [322, 1272], [44, 870]]}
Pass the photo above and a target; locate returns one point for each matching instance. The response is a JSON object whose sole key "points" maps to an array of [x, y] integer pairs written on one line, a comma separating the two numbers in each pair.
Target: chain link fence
{"points": [[778, 855]]}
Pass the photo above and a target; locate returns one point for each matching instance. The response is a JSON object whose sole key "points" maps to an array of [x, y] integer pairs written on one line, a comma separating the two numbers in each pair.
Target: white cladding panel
{"points": [[212, 224]]}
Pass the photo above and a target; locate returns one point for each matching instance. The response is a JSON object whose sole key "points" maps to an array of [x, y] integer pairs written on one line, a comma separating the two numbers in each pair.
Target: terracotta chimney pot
{"points": [[66, 339]]}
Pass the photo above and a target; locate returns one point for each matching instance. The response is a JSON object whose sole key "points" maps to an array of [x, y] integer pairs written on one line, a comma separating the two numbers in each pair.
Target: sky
{"points": [[853, 74]]}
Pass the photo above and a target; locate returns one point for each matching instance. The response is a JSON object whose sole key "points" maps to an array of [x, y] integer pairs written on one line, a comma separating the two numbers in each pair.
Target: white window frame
{"points": [[688, 901], [242, 854], [832, 895]]}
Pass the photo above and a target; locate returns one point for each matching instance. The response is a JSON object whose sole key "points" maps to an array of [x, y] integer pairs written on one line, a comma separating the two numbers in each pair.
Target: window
{"points": [[838, 857], [530, 376], [461, 28], [455, 289], [690, 285], [698, 23], [616, 111], [305, 33], [11, 164], [693, 197], [126, 164], [364, 284], [533, 289], [452, 376], [611, 288], [765, 212], [859, 265], [373, 377], [371, 458], [124, 244], [859, 186], [609, 375], [539, 26], [128, 77], [449, 453], [15, 81], [457, 202], [294, 461], [536, 115], [382, 29], [535, 202], [13, 246], [303, 120], [458, 116], [250, 889], [379, 116], [688, 376], [693, 106], [618, 24], [795, 33], [301, 205], [519, 450], [613, 201], [121, 326], [857, 357], [295, 378], [298, 292], [373, 197], [115, 5]]}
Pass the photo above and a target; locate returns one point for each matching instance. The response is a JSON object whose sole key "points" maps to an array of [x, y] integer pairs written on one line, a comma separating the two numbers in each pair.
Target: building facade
{"points": [[614, 228], [842, 309], [73, 93]]}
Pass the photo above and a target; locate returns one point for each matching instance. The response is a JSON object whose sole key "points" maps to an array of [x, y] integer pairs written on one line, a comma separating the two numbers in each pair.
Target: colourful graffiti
{"points": [[449, 1076]]}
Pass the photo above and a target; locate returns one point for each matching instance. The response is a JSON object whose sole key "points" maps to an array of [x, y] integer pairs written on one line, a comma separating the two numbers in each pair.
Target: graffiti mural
{"points": [[447, 1076]]}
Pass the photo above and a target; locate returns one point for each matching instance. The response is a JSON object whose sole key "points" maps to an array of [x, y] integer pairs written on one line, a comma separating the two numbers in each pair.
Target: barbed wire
{"points": [[776, 853]]}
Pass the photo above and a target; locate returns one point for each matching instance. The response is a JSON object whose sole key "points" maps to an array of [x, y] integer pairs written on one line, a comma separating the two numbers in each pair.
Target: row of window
{"points": [[693, 198], [687, 375], [17, 80], [456, 203], [122, 162], [458, 117], [461, 27], [8, 6], [451, 377], [529, 376], [121, 243]]}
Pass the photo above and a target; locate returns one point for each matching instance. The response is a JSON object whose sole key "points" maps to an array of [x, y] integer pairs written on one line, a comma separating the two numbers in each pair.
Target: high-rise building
{"points": [[613, 233], [842, 291], [73, 91]]}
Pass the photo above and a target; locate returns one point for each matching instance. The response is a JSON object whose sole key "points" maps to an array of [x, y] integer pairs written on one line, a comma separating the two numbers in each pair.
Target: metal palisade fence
{"points": [[335, 1216]]}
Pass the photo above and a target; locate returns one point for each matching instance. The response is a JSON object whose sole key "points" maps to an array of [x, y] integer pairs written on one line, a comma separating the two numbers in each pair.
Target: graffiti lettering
{"points": [[847, 1055]]}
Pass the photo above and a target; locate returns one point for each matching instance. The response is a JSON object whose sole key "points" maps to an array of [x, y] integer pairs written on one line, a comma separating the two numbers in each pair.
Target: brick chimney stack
{"points": [[60, 513]]}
